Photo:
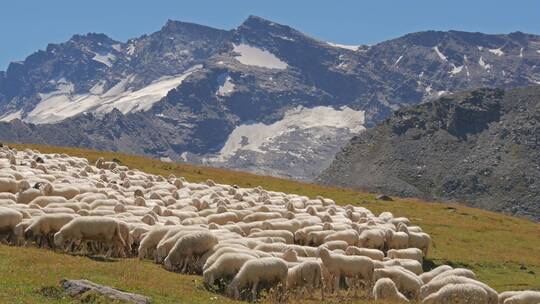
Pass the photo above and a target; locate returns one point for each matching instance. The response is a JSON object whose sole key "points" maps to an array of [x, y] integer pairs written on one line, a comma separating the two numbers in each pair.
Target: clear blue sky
{"points": [[26, 26]]}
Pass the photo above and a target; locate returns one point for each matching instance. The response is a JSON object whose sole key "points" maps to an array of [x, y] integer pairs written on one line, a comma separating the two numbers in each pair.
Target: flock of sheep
{"points": [[242, 240]]}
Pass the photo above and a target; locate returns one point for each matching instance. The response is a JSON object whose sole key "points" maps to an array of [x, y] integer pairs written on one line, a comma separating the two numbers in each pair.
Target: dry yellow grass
{"points": [[503, 251]]}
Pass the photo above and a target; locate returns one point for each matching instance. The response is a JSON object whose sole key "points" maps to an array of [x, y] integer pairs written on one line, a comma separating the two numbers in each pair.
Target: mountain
{"points": [[262, 97], [481, 147]]}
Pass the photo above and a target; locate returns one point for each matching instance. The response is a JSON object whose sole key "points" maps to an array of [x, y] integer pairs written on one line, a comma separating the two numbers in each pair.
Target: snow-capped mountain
{"points": [[261, 97]]}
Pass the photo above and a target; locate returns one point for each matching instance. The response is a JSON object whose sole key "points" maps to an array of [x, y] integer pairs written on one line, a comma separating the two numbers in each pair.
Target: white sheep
{"points": [[385, 290], [350, 236], [396, 240], [44, 227], [270, 271], [406, 282], [524, 297], [408, 253], [461, 272], [372, 238], [355, 267], [438, 283], [101, 230], [187, 248], [411, 265], [225, 267], [458, 294], [373, 254], [305, 276], [9, 218], [426, 277]]}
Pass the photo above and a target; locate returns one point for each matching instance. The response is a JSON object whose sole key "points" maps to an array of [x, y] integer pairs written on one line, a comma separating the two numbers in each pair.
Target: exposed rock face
{"points": [[186, 91], [480, 147]]}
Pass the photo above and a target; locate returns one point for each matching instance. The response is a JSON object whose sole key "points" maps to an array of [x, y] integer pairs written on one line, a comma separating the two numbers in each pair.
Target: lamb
{"points": [[438, 283], [373, 254], [426, 277], [385, 290], [350, 266], [226, 266], [407, 282], [187, 247], [103, 230], [458, 294], [409, 253], [271, 271], [524, 297], [306, 275]]}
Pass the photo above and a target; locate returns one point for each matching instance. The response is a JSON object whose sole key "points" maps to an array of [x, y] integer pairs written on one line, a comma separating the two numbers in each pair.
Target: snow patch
{"points": [[131, 49], [483, 64], [107, 59], [11, 116], [456, 70], [497, 52], [62, 103], [538, 51], [344, 46], [521, 53], [398, 60], [226, 86], [254, 56], [253, 136], [117, 47], [441, 55]]}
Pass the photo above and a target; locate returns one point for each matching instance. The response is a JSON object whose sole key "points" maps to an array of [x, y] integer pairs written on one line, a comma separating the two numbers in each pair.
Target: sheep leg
{"points": [[254, 291]]}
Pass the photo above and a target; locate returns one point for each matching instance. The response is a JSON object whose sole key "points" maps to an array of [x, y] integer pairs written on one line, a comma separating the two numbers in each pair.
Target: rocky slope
{"points": [[480, 147], [261, 97]]}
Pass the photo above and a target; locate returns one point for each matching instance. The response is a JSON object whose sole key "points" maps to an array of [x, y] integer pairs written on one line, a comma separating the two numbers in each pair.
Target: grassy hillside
{"points": [[502, 250]]}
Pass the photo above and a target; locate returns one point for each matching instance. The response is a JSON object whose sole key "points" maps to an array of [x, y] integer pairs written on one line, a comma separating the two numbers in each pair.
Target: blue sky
{"points": [[30, 25]]}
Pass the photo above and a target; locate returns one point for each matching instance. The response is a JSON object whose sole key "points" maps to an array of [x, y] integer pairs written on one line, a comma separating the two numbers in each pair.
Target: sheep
{"points": [[223, 218], [187, 247], [373, 254], [458, 294], [409, 253], [426, 277], [271, 271], [306, 275], [385, 290], [43, 227], [12, 185], [418, 240], [26, 196], [9, 218], [372, 238], [462, 272], [507, 294], [102, 230], [68, 192], [524, 297], [286, 235], [396, 240], [227, 265], [438, 283], [43, 201], [407, 282], [350, 236], [350, 266], [411, 265]]}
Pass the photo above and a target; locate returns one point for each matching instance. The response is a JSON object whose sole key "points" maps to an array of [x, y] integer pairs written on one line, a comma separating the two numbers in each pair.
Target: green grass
{"points": [[502, 250]]}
